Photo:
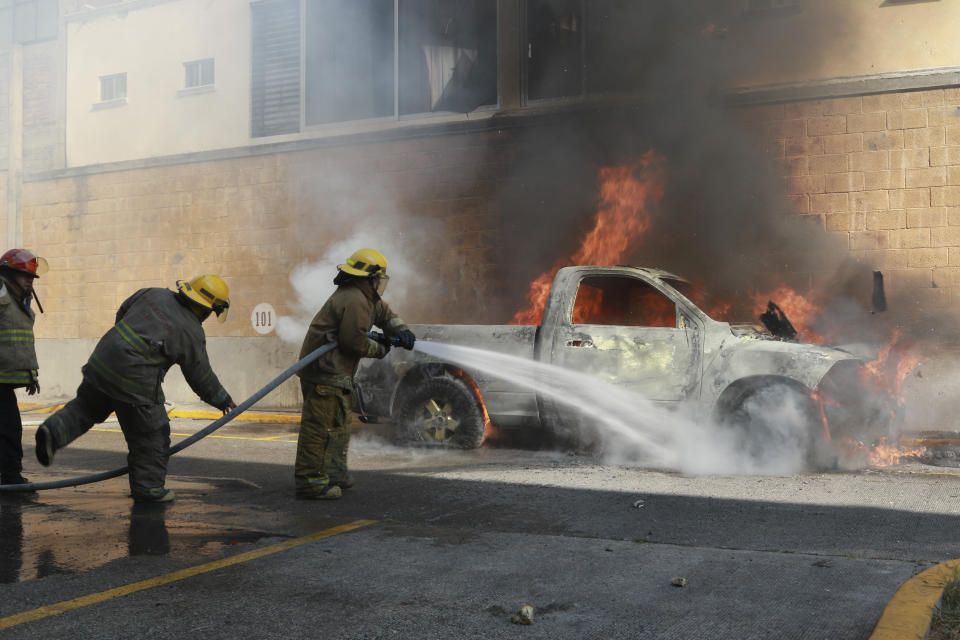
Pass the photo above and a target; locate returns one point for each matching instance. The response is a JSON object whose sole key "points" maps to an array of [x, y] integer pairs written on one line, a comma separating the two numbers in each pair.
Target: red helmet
{"points": [[24, 261]]}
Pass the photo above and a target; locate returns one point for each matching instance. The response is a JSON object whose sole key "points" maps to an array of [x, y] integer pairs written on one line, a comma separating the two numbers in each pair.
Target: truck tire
{"points": [[442, 411], [775, 424]]}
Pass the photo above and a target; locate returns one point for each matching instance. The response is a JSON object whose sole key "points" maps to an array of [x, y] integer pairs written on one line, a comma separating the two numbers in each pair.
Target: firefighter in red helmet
{"points": [[18, 357]]}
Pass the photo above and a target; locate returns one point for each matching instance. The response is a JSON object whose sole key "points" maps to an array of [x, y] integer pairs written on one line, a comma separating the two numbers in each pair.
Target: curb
{"points": [[201, 414], [909, 613]]}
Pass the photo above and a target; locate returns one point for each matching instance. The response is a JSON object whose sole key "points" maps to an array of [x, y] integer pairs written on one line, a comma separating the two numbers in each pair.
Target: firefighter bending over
{"points": [[320, 471], [18, 357], [155, 329]]}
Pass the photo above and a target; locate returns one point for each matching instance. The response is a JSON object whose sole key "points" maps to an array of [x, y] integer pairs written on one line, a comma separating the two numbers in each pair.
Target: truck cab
{"points": [[631, 327]]}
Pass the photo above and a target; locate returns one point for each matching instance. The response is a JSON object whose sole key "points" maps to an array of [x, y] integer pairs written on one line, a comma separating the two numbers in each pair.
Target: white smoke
{"points": [[357, 213]]}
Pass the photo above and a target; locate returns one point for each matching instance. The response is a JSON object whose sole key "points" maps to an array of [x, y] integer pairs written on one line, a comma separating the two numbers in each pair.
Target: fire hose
{"points": [[183, 444]]}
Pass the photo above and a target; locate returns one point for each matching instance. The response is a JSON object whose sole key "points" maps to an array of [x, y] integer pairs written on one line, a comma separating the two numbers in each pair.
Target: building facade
{"points": [[166, 138]]}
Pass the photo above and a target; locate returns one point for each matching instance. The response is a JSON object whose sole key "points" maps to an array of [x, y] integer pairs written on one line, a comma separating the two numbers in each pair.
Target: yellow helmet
{"points": [[366, 263], [208, 291]]}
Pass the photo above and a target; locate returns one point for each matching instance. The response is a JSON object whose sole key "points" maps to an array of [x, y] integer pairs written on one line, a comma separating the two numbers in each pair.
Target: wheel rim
{"points": [[435, 422]]}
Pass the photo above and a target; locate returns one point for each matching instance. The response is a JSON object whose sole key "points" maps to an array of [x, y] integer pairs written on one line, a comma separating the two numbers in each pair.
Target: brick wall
{"points": [[253, 220], [883, 173]]}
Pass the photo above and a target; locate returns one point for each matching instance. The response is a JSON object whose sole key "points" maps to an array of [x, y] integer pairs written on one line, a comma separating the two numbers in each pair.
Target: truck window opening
{"points": [[614, 300]]}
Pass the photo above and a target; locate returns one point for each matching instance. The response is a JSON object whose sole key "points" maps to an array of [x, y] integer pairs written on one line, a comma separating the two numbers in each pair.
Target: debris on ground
{"points": [[638, 504], [524, 616], [679, 582], [823, 563], [941, 457]]}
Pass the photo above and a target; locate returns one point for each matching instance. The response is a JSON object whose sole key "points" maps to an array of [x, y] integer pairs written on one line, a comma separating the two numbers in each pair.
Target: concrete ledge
{"points": [[915, 80], [910, 612]]}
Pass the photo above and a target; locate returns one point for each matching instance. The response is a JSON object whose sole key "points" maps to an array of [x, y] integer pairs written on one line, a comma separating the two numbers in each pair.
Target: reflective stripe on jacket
{"points": [[347, 317], [153, 331], [18, 354]]}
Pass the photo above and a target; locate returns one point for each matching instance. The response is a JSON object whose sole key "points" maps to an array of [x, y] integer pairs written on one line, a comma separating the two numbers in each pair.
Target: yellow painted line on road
{"points": [[264, 439], [909, 613], [243, 417], [277, 438], [194, 414], [119, 592]]}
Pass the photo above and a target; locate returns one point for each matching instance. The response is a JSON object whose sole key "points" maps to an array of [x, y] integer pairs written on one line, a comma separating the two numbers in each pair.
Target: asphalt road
{"points": [[451, 544]]}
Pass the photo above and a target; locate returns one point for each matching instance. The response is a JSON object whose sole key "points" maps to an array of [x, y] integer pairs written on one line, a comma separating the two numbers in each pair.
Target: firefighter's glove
{"points": [[227, 408], [384, 350], [33, 388], [405, 339]]}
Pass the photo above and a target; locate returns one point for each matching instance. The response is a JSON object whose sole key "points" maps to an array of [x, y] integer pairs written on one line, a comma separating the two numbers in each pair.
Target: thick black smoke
{"points": [[725, 221]]}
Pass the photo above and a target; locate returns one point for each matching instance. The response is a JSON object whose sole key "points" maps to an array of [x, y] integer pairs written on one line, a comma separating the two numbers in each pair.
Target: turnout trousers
{"points": [[11, 433], [146, 429], [324, 439]]}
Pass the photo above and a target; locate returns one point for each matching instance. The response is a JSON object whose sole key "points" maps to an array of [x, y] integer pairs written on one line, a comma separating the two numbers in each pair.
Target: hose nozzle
{"points": [[383, 339]]}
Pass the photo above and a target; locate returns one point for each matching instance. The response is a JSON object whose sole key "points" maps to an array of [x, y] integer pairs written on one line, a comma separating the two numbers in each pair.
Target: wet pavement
{"points": [[451, 544], [66, 532]]}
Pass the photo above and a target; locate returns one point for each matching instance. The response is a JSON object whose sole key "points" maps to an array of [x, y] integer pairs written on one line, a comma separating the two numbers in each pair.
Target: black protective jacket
{"points": [[154, 331]]}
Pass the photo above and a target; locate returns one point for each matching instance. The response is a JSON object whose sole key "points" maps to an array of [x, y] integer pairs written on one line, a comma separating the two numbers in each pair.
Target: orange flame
{"points": [[892, 366], [626, 195], [801, 309], [884, 455], [879, 455]]}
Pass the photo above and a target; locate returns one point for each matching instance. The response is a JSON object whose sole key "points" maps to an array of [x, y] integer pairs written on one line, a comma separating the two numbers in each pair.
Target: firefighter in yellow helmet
{"points": [[18, 357], [320, 471], [155, 329]]}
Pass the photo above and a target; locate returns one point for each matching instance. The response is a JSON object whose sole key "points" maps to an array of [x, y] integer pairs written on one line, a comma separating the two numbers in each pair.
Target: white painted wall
{"points": [[151, 41], [151, 44], [839, 38]]}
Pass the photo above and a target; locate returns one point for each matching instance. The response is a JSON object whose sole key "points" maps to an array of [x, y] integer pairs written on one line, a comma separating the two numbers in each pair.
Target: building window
{"points": [[580, 47], [275, 82], [369, 59], [198, 73], [26, 21], [113, 87], [555, 48], [448, 56], [349, 58]]}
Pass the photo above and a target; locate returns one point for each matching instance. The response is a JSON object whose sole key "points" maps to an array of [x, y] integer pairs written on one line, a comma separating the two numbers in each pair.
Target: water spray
{"points": [[634, 427]]}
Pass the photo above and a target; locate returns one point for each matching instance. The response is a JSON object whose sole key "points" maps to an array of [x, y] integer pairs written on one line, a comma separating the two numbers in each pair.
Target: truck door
{"points": [[621, 328]]}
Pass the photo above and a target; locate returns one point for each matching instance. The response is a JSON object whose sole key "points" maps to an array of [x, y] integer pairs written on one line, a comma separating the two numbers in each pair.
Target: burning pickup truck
{"points": [[639, 329]]}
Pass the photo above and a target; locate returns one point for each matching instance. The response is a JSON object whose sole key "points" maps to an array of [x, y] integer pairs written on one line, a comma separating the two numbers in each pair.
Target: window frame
{"points": [[679, 318], [396, 117], [114, 101], [199, 67]]}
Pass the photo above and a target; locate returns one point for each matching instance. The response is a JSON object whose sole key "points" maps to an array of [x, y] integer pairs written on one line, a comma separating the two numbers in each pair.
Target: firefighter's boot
{"points": [[317, 488], [156, 494], [45, 446], [337, 459]]}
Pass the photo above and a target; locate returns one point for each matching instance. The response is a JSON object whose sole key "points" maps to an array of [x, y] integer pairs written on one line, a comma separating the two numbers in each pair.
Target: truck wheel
{"points": [[440, 411], [776, 426]]}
